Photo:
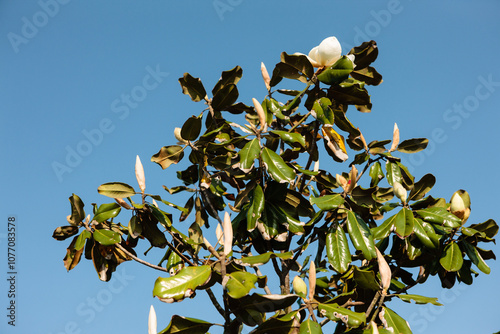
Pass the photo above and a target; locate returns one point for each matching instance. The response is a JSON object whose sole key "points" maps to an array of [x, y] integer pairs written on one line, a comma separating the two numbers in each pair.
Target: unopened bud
{"points": [[312, 280], [261, 114], [265, 76], [228, 234], [460, 204], [395, 138], [385, 272], [123, 204], [139, 174], [152, 325], [342, 181], [400, 191], [299, 286]]}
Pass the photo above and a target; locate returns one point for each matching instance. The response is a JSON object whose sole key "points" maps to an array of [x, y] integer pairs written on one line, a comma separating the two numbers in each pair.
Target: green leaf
{"points": [[323, 111], [383, 230], [77, 212], [360, 235], [422, 187], [82, 238], [225, 97], [337, 73], [116, 190], [230, 77], [276, 167], [489, 228], [327, 202], [192, 87], [440, 216], [376, 174], [392, 320], [290, 137], [404, 223], [419, 299], [275, 325], [106, 237], [413, 145], [337, 250], [240, 283], [261, 259], [182, 285], [265, 303], [475, 257], [299, 62], [365, 54], [248, 154], [393, 173], [107, 211], [365, 279], [310, 327], [368, 75], [168, 155], [256, 207], [428, 240], [191, 128], [452, 258], [336, 313], [185, 325], [354, 95]]}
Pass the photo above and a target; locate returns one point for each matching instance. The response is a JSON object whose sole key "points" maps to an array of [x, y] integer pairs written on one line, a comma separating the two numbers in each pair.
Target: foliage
{"points": [[365, 228]]}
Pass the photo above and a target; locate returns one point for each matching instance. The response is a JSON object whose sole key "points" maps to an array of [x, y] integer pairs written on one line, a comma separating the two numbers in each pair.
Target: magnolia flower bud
{"points": [[385, 272], [228, 234], [326, 53], [152, 326], [299, 286], [342, 181], [312, 280], [460, 204], [219, 234], [139, 174], [399, 191], [265, 76], [123, 204], [261, 114], [177, 134], [395, 138]]}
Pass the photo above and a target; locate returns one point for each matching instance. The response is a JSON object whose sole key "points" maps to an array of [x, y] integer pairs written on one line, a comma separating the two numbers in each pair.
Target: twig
{"points": [[139, 260], [215, 301]]}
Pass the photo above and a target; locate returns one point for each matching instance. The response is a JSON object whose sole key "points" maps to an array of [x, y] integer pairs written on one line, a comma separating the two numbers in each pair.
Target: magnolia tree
{"points": [[277, 243]]}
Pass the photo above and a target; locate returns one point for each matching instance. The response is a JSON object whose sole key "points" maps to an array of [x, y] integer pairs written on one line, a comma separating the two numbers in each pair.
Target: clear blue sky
{"points": [[67, 68]]}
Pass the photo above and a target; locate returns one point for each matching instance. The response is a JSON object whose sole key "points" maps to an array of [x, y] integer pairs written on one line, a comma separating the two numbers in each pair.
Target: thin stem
{"points": [[123, 249], [215, 301]]}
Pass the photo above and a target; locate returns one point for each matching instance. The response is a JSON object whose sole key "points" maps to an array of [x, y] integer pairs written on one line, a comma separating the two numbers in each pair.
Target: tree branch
{"points": [[123, 249]]}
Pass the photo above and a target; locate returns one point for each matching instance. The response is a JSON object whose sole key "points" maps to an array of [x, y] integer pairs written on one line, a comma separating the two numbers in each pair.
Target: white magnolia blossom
{"points": [[326, 53]]}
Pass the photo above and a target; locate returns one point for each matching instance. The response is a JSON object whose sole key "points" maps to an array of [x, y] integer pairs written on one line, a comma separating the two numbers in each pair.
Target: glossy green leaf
{"points": [[193, 87], [452, 258], [413, 145], [393, 173], [134, 228], [77, 211], [322, 110], [174, 263], [248, 154], [310, 327], [82, 238], [475, 257], [404, 223], [365, 279], [360, 235], [266, 303], [489, 228], [106, 237], [274, 325], [182, 285], [107, 211], [327, 202], [440, 216], [299, 62], [168, 155], [376, 174], [261, 259], [421, 233], [383, 230], [422, 187], [419, 299], [185, 325], [365, 54], [354, 95], [276, 167], [191, 128], [225, 97], [231, 77], [337, 250], [116, 190], [337, 73], [290, 137], [240, 283], [392, 320], [336, 313]]}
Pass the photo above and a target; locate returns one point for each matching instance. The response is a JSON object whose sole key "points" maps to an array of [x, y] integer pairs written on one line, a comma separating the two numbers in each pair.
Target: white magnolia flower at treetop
{"points": [[326, 53]]}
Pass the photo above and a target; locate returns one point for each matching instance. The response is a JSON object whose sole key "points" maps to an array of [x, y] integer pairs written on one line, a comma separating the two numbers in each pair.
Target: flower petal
{"points": [[329, 51]]}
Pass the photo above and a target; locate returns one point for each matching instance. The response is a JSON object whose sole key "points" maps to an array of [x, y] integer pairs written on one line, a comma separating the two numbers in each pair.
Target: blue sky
{"points": [[109, 70]]}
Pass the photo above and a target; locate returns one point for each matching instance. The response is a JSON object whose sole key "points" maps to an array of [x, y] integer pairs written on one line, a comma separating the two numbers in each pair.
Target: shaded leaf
{"points": [[422, 187], [64, 232], [256, 207], [225, 97], [193, 87], [230, 77], [191, 128], [77, 211], [413, 145], [179, 325], [452, 258], [168, 155], [116, 190]]}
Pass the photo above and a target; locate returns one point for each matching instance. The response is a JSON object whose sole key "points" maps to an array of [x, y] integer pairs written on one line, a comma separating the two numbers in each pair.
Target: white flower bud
{"points": [[261, 114], [265, 76], [326, 53], [312, 280], [228, 234], [395, 138], [152, 325], [460, 204], [139, 174], [385, 272]]}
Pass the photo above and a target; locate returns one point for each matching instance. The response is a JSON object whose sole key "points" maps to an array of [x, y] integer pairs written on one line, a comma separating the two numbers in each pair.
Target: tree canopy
{"points": [[262, 210]]}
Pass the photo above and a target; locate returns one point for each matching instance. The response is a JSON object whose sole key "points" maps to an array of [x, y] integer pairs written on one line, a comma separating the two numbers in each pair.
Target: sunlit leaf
{"points": [[107, 211], [327, 202], [182, 285], [360, 235], [116, 190], [452, 258], [336, 313], [419, 299], [276, 167], [337, 250], [106, 237], [168, 155]]}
